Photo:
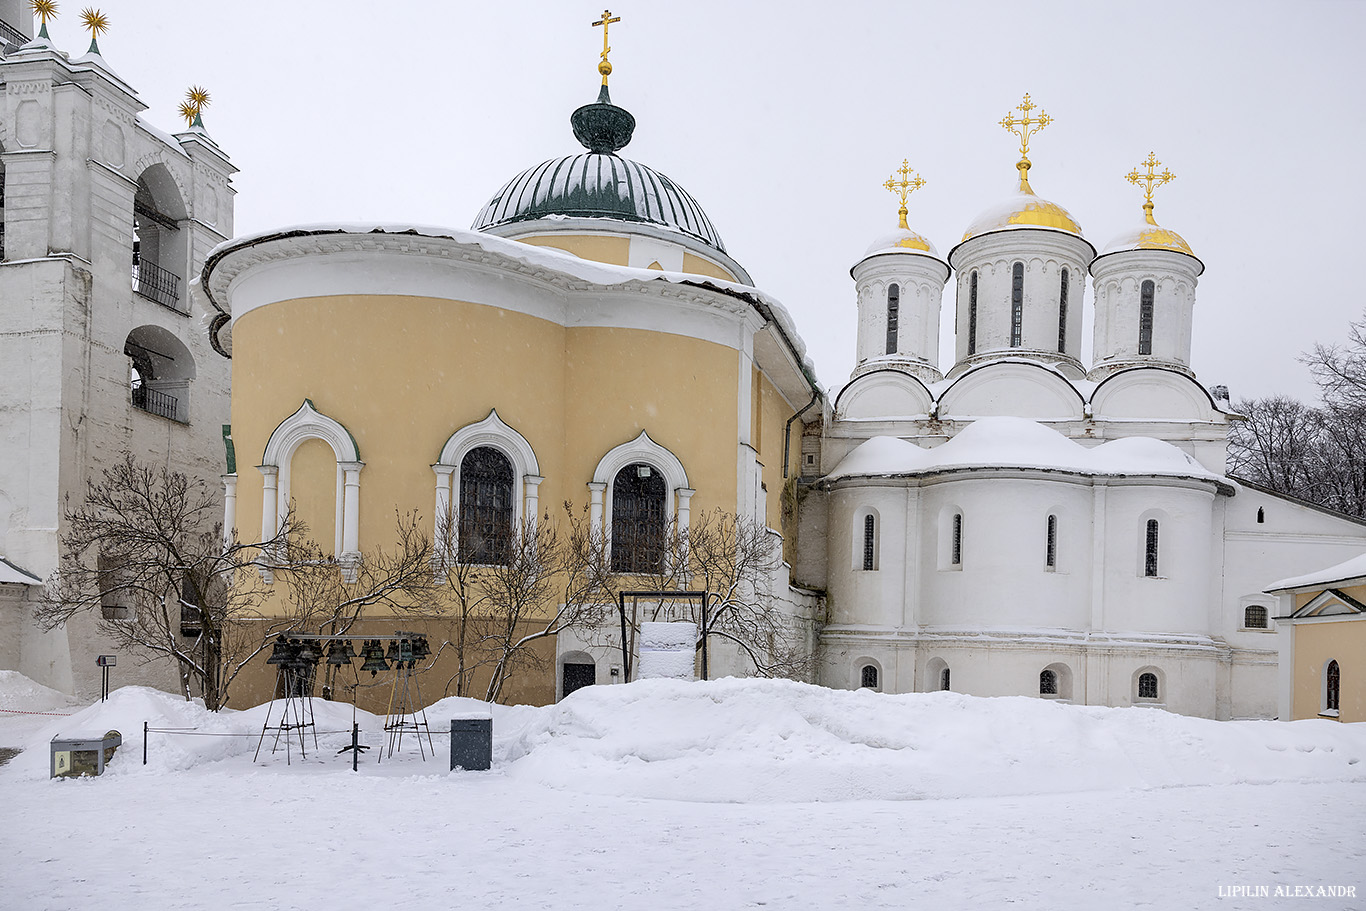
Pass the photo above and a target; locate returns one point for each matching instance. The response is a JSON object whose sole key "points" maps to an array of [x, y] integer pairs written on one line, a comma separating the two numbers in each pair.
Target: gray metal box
{"points": [[472, 744], [81, 753]]}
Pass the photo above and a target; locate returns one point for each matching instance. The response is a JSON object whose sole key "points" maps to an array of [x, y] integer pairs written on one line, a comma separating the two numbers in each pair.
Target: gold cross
{"points": [[605, 66], [1150, 180], [904, 187], [1025, 127]]}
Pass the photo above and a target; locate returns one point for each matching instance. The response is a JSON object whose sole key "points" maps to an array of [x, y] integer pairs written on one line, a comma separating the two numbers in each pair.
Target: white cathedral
{"points": [[1017, 522]]}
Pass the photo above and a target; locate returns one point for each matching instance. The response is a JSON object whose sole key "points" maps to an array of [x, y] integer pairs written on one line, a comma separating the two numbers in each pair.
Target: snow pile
{"points": [[1020, 443], [748, 741], [20, 694]]}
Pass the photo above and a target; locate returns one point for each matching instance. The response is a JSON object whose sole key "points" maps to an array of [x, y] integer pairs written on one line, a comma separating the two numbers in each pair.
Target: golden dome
{"points": [[1151, 236], [1023, 210], [902, 240]]}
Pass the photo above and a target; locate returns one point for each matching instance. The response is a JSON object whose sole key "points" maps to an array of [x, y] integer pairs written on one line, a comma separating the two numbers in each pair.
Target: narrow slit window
{"points": [[1145, 318], [957, 555], [1261, 515], [868, 543], [1050, 559], [893, 315], [1062, 314], [1016, 305], [944, 679], [972, 314], [1147, 686], [868, 677], [1332, 683], [1150, 550]]}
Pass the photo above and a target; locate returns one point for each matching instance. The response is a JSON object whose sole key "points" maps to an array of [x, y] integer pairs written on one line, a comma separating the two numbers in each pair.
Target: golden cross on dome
{"points": [[904, 187], [605, 65], [1150, 180], [1025, 127]]}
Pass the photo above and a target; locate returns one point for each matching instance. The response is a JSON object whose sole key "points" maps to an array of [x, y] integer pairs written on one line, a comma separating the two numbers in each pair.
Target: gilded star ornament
{"points": [[44, 9], [96, 22]]}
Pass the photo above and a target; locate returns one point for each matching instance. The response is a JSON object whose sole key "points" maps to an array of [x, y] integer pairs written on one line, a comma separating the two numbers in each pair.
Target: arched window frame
{"points": [[1152, 548], [1048, 683], [1332, 688], [646, 451], [310, 424], [936, 675], [1149, 691], [956, 544], [866, 539], [1062, 311], [893, 316], [1061, 674], [1146, 293], [526, 478], [972, 313], [1256, 617], [864, 668], [1017, 305]]}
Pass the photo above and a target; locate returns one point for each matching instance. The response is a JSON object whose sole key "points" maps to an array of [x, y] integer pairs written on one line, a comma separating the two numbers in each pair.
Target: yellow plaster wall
{"points": [[1315, 645], [600, 248], [313, 490], [772, 413], [699, 266]]}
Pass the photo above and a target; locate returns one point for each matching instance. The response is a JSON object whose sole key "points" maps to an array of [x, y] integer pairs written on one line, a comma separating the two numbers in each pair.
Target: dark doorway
{"points": [[577, 676]]}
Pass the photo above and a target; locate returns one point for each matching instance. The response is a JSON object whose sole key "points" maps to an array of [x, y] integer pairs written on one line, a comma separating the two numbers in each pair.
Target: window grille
{"points": [[638, 519], [957, 555], [868, 677], [972, 314], [944, 679], [154, 401], [893, 315], [1147, 686], [1048, 682], [1332, 681], [1255, 617], [1051, 547], [1016, 305], [1062, 314], [485, 532], [868, 532], [1150, 550], [1145, 318], [2, 213]]}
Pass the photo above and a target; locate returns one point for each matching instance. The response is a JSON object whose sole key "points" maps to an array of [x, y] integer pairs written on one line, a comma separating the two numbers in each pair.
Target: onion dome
{"points": [[1150, 235], [599, 183]]}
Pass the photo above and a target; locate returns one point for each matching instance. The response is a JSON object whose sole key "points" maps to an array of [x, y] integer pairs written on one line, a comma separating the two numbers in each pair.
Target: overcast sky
{"points": [[783, 119]]}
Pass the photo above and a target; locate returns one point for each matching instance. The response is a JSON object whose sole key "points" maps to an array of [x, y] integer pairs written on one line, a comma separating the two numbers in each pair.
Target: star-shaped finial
{"points": [[95, 22], [44, 10], [196, 100]]}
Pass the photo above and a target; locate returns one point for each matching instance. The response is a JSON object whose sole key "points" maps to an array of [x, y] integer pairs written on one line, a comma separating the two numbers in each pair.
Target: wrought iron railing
{"points": [[154, 401], [157, 284], [11, 35]]}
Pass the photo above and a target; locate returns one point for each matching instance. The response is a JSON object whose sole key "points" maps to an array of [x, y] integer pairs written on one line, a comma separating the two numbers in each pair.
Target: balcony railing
{"points": [[154, 401], [157, 284]]}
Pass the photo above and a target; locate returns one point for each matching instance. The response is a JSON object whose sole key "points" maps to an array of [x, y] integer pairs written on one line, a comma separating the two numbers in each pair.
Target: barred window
{"points": [[1147, 686], [1145, 318], [638, 519], [868, 677], [1332, 682], [868, 543], [957, 556], [1254, 617], [1150, 550], [485, 533], [944, 679], [1062, 314], [1048, 682], [893, 314], [1016, 304], [972, 314], [1050, 558]]}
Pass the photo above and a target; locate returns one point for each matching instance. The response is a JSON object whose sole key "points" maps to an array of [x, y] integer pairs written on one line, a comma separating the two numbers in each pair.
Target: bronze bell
{"points": [[405, 650], [281, 652], [421, 649], [373, 653], [392, 653], [308, 653], [340, 653]]}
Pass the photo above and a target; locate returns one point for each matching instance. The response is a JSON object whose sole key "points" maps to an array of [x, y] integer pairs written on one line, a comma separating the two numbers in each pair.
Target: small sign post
{"points": [[104, 663]]}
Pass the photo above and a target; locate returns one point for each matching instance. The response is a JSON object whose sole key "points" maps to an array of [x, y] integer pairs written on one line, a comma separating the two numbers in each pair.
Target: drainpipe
{"points": [[787, 429]]}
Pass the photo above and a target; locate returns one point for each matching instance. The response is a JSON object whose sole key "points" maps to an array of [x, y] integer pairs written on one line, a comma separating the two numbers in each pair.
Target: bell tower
{"points": [[16, 24]]}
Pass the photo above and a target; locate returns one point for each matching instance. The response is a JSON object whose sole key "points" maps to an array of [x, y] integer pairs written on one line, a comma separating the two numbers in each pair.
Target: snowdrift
{"points": [[771, 741]]}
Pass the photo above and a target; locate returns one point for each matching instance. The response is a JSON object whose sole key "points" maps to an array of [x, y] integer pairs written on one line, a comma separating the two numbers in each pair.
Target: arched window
{"points": [[486, 507], [1062, 314], [1048, 682], [868, 677], [638, 519], [1016, 304], [160, 371], [1261, 515], [956, 557], [1254, 617], [893, 315], [158, 242], [944, 679], [1147, 686], [1050, 559], [1145, 318], [1332, 682], [972, 313], [869, 542], [1150, 549]]}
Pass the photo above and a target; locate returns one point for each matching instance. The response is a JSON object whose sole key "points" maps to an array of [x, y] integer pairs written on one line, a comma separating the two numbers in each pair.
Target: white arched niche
{"points": [[526, 473], [310, 424], [646, 451]]}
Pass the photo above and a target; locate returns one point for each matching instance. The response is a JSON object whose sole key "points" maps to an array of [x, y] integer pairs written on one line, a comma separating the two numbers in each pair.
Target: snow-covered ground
{"points": [[663, 794]]}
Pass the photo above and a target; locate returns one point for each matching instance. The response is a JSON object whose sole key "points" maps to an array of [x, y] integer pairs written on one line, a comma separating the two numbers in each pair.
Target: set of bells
{"points": [[302, 654]]}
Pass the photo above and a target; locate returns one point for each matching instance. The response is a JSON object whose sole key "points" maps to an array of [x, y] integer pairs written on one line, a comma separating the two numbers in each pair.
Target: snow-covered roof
{"points": [[1350, 572], [9, 573], [1011, 442]]}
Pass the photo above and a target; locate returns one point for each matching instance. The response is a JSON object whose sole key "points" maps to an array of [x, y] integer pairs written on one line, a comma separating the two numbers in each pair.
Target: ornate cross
{"points": [[1150, 180], [904, 187], [605, 66], [1025, 127]]}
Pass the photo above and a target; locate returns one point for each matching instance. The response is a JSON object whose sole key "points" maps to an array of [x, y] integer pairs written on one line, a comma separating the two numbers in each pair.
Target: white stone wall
{"points": [[920, 280], [1117, 281]]}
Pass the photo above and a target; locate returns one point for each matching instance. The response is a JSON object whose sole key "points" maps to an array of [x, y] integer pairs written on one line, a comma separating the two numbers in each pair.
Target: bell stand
{"points": [[299, 703], [408, 695]]}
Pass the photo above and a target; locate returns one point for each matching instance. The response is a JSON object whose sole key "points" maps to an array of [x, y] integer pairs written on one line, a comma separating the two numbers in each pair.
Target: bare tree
{"points": [[1275, 445], [1340, 370]]}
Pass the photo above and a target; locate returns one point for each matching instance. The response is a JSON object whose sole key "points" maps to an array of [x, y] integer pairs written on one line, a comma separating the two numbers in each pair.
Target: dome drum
{"points": [[1144, 306]]}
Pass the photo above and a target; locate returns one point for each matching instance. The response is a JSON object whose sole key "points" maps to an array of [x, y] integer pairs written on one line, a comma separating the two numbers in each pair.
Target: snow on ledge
{"points": [[1352, 570]]}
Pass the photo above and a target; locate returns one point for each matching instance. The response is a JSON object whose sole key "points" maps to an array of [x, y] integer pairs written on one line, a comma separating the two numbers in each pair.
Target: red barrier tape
{"points": [[54, 714]]}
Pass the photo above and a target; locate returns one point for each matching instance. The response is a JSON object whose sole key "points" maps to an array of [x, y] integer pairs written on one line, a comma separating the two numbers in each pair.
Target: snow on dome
{"points": [[1352, 569], [902, 240], [1149, 236], [1010, 442], [1023, 210]]}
